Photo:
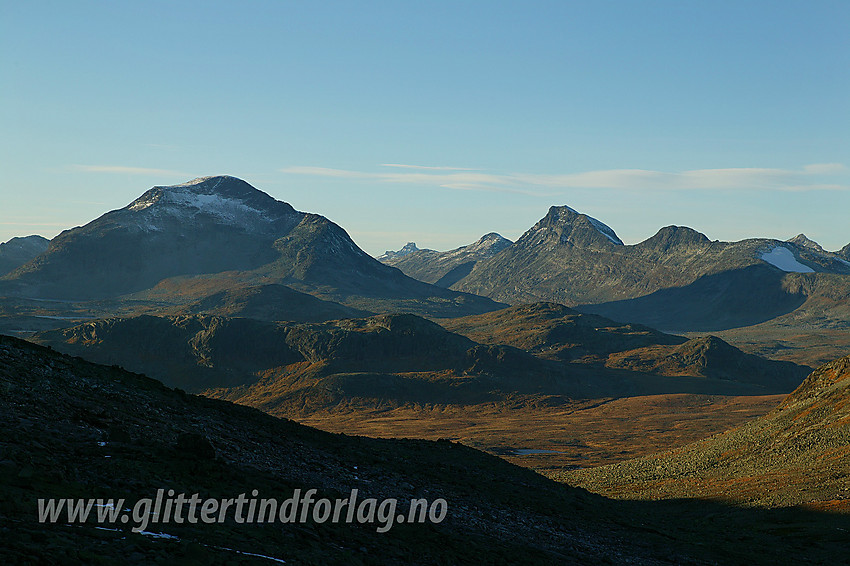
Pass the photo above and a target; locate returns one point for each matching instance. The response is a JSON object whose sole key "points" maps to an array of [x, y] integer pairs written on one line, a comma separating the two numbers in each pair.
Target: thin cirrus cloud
{"points": [[820, 176], [427, 167], [126, 170]]}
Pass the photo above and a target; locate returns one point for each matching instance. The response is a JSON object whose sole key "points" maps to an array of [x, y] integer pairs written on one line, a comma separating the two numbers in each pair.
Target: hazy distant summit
{"points": [[389, 255], [804, 242], [445, 268], [19, 251]]}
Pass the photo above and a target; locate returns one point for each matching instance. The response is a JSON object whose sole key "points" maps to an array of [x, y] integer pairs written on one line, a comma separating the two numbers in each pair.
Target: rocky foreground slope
{"points": [[72, 429]]}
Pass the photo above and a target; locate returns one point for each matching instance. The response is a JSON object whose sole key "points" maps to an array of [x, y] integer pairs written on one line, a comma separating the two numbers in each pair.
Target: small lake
{"points": [[530, 451]]}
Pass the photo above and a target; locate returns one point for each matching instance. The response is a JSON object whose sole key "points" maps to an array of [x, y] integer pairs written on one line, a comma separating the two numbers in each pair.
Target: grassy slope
{"points": [[797, 454]]}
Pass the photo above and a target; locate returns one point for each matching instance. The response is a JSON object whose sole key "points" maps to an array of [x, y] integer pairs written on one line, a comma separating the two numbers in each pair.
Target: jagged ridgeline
{"points": [[444, 268], [678, 279]]}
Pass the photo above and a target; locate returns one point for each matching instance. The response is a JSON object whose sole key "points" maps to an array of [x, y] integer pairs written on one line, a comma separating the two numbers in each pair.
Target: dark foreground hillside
{"points": [[74, 429]]}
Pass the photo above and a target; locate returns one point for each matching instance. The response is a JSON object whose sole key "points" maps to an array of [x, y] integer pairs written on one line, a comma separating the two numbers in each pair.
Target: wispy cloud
{"points": [[825, 168], [463, 179], [815, 177], [128, 170], [427, 167]]}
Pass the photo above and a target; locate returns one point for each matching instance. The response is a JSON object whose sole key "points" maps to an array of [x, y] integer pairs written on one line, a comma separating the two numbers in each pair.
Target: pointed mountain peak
{"points": [[844, 252], [407, 249], [803, 241], [576, 228]]}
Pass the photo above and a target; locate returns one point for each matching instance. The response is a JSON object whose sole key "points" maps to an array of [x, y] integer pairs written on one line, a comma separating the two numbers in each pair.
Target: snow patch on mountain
{"points": [[605, 230], [600, 227], [188, 200], [145, 201], [782, 258], [225, 208], [199, 180]]}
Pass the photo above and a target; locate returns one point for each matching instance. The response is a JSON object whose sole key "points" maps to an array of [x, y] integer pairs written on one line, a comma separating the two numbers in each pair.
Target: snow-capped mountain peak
{"points": [[221, 199], [805, 242], [561, 216]]}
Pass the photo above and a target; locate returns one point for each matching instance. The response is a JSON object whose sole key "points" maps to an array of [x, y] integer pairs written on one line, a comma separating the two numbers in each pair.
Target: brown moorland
{"points": [[798, 454]]}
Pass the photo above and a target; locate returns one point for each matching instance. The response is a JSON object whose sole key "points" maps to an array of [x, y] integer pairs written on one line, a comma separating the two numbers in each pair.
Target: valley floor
{"points": [[805, 345], [568, 435]]}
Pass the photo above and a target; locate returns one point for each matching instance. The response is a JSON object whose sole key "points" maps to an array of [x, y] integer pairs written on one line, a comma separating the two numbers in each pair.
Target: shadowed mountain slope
{"points": [[272, 303], [730, 299], [75, 429], [19, 251], [407, 359], [197, 353], [555, 332]]}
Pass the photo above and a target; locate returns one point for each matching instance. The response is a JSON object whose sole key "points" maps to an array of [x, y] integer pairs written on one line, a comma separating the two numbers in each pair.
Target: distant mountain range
{"points": [[677, 280], [219, 234], [444, 269], [568, 258], [216, 246]]}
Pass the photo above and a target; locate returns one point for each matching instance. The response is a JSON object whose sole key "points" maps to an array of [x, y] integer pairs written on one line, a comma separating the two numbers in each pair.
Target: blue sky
{"points": [[436, 121]]}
